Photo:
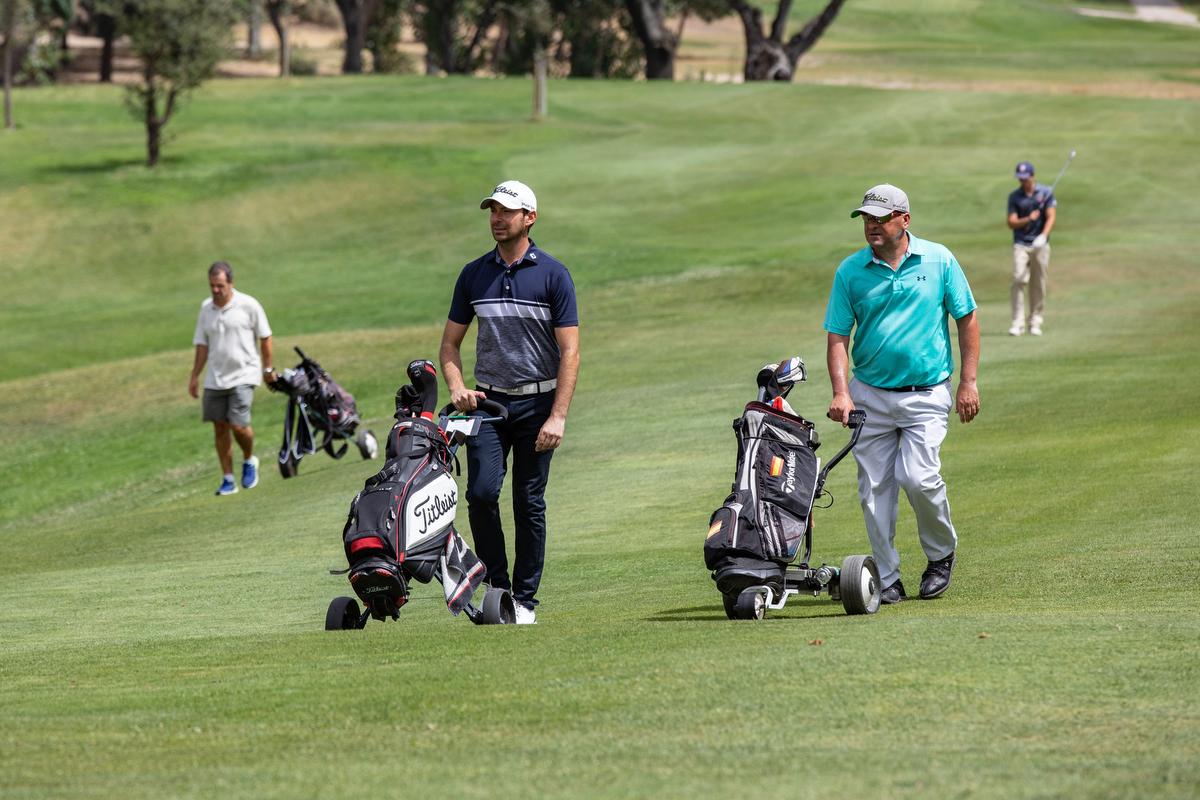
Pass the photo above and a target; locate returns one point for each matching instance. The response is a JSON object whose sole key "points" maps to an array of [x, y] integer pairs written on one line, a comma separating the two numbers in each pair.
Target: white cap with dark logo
{"points": [[512, 194], [881, 200]]}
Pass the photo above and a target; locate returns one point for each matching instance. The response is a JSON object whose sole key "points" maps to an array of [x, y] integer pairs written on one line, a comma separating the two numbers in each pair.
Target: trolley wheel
{"points": [[730, 603], [751, 603], [498, 607], [859, 585], [289, 465], [368, 445], [343, 614]]}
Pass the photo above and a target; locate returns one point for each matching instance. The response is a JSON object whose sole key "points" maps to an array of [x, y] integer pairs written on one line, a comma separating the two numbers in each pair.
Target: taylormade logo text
{"points": [[789, 481]]}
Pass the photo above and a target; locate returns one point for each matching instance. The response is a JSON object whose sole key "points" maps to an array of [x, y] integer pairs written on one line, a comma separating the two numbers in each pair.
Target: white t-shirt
{"points": [[231, 334]]}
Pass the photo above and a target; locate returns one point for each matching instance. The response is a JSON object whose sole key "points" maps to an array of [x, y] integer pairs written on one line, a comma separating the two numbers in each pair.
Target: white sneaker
{"points": [[525, 615], [1015, 330], [1035, 330]]}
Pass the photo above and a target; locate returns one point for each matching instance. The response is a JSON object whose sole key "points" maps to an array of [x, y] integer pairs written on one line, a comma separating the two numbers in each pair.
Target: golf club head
{"points": [[408, 401], [790, 372], [423, 375], [763, 380]]}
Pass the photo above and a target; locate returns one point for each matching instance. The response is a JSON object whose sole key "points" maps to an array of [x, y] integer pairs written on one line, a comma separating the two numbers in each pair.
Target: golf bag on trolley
{"points": [[400, 527], [760, 540], [317, 402], [759, 528]]}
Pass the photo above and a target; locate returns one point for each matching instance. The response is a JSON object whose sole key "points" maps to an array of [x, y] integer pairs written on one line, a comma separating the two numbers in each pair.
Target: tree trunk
{"points": [[803, 41], [442, 42], [8, 117], [279, 23], [155, 122], [768, 57], [356, 16], [657, 41], [153, 128], [106, 26], [254, 30]]}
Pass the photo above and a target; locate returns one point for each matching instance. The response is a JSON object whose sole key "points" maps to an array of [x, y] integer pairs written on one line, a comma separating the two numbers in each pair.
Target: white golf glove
{"points": [[1040, 241]]}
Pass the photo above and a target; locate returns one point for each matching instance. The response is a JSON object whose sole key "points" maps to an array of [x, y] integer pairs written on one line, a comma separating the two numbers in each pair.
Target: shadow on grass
{"points": [[717, 613], [93, 167]]}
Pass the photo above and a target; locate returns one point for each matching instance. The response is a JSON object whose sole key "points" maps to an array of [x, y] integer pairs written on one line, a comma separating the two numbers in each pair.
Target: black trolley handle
{"points": [[857, 420], [497, 412]]}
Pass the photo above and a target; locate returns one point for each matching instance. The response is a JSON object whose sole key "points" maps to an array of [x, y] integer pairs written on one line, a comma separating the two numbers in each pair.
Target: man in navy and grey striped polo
{"points": [[527, 359]]}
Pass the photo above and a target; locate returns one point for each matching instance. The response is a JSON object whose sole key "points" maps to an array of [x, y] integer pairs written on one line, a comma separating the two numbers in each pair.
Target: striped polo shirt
{"points": [[519, 306]]}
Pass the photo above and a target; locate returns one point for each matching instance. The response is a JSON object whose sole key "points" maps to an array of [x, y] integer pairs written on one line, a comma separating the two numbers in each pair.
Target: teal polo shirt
{"points": [[899, 317]]}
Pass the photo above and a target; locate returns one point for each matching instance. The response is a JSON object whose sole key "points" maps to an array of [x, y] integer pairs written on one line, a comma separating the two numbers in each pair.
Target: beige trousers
{"points": [[1030, 265]]}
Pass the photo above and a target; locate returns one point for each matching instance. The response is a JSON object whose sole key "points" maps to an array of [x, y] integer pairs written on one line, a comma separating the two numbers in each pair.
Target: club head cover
{"points": [[788, 373]]}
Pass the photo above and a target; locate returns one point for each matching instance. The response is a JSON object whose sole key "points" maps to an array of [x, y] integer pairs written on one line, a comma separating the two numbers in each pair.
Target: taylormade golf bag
{"points": [[401, 525], [760, 540], [756, 533]]}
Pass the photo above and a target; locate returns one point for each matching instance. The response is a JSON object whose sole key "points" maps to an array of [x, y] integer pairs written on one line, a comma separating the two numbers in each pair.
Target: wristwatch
{"points": [[268, 370]]}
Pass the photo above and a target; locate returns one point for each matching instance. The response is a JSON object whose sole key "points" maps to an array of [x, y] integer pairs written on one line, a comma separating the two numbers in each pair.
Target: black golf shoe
{"points": [[936, 578], [893, 594]]}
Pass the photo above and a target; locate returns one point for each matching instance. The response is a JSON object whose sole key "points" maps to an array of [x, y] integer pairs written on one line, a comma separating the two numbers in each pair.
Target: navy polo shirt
{"points": [[518, 307], [1023, 205]]}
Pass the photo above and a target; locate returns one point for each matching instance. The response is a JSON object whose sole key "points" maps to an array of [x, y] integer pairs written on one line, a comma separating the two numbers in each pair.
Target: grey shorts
{"points": [[228, 405]]}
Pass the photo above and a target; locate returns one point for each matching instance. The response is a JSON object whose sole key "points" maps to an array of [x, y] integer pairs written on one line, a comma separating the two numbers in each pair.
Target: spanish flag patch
{"points": [[776, 467]]}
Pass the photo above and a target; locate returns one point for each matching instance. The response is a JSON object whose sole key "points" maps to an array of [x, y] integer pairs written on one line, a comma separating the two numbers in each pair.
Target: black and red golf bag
{"points": [[760, 527], [401, 525]]}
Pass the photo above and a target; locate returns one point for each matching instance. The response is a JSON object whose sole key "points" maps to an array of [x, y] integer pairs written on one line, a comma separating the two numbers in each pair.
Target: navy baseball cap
{"points": [[1024, 170]]}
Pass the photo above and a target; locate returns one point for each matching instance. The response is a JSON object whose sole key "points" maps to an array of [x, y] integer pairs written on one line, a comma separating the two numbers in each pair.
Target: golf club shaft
{"points": [[1062, 172]]}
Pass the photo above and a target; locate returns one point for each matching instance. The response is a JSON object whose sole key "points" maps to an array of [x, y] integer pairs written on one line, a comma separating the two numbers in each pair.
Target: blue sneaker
{"points": [[250, 472], [227, 486]]}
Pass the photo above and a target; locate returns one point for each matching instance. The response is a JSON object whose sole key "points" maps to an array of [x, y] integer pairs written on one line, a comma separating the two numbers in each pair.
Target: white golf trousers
{"points": [[1030, 265], [899, 448]]}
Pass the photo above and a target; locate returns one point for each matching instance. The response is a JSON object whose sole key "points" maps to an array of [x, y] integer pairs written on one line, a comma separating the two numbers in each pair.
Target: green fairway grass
{"points": [[157, 641]]}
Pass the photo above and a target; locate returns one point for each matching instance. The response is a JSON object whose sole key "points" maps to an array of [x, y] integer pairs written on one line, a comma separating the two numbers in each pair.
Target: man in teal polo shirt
{"points": [[895, 295]]}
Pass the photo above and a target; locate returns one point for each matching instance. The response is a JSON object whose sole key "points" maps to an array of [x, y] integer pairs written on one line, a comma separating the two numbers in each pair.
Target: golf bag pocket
{"points": [[784, 477], [372, 528], [729, 532]]}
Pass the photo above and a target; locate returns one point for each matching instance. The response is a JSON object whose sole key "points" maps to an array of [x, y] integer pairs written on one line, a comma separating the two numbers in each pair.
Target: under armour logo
{"points": [[920, 277]]}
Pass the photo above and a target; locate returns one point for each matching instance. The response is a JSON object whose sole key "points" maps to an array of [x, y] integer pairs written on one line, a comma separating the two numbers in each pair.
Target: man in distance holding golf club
{"points": [[1032, 209], [895, 294], [526, 359]]}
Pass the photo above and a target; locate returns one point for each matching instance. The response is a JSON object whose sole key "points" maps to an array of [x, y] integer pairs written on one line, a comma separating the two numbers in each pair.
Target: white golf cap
{"points": [[512, 194], [882, 200]]}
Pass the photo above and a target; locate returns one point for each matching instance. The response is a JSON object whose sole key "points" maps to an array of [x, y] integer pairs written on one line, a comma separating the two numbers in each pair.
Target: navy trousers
{"points": [[487, 465]]}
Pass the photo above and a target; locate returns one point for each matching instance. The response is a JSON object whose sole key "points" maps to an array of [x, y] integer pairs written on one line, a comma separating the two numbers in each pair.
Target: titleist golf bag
{"points": [[316, 402], [758, 530], [401, 525]]}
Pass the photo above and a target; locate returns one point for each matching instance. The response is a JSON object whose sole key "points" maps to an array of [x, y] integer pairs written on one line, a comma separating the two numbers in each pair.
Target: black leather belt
{"points": [[909, 388]]}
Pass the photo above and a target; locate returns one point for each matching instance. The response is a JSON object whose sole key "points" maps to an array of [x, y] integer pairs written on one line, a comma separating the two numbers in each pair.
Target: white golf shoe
{"points": [[1015, 330], [525, 615]]}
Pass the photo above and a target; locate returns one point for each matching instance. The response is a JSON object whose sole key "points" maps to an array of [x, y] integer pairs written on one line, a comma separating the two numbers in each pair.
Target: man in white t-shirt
{"points": [[231, 329]]}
